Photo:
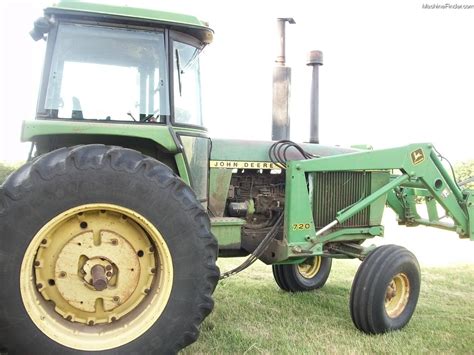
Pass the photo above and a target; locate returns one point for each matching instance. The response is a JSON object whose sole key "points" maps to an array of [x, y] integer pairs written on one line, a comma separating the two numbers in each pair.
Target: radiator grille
{"points": [[334, 191]]}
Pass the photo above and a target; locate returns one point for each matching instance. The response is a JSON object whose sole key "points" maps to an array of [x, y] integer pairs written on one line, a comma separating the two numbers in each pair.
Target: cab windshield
{"points": [[103, 73]]}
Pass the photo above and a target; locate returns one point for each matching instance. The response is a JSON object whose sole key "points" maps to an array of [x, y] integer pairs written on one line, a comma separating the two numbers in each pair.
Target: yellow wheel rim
{"points": [[96, 277], [396, 295], [310, 267]]}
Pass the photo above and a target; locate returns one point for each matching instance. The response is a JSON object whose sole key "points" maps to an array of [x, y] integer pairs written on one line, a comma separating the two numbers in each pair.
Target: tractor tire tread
{"points": [[289, 279], [97, 156], [368, 281]]}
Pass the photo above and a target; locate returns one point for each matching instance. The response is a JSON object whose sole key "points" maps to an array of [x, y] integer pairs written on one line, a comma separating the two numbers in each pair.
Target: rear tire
{"points": [[103, 197], [309, 275], [385, 290]]}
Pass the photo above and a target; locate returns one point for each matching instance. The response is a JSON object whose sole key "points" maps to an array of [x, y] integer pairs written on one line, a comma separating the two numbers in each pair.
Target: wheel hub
{"points": [[96, 268], [67, 291], [310, 267], [396, 295], [98, 273]]}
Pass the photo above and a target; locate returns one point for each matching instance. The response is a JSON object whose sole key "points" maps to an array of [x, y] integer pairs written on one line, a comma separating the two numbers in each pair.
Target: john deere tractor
{"points": [[109, 234]]}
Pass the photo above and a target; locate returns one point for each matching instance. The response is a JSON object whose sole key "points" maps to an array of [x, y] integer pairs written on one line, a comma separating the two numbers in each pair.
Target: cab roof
{"points": [[185, 23]]}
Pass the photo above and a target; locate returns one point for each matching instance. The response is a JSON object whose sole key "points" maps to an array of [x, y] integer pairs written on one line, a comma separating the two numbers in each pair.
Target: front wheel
{"points": [[103, 249], [311, 274], [385, 290]]}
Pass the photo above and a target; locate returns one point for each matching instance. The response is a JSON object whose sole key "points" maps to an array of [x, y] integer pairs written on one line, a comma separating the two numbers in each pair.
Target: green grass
{"points": [[253, 316]]}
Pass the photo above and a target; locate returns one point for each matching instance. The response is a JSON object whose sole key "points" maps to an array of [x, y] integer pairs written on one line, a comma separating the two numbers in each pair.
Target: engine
{"points": [[257, 196]]}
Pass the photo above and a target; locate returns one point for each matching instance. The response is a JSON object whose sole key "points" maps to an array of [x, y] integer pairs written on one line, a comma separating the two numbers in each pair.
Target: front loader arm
{"points": [[416, 172]]}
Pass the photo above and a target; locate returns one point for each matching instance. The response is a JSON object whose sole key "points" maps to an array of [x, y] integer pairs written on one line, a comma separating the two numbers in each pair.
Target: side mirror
{"points": [[40, 28]]}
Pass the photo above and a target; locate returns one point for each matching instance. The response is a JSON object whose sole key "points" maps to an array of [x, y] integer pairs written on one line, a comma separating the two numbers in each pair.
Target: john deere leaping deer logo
{"points": [[417, 156]]}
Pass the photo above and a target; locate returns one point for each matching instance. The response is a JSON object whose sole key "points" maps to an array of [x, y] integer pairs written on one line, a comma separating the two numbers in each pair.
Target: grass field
{"points": [[253, 316]]}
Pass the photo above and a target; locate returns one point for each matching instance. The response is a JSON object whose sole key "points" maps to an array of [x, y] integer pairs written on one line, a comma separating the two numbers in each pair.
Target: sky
{"points": [[393, 74]]}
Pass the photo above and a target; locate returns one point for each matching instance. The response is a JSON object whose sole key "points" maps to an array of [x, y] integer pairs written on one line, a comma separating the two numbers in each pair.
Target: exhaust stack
{"points": [[315, 59], [281, 86]]}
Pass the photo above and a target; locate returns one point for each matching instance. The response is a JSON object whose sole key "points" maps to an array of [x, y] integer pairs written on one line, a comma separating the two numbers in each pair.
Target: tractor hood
{"points": [[226, 151]]}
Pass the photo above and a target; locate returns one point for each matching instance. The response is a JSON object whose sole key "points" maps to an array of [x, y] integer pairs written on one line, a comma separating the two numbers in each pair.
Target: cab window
{"points": [[187, 84]]}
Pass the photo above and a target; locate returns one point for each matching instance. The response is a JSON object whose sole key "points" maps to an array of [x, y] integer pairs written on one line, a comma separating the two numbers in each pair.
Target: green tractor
{"points": [[109, 234]]}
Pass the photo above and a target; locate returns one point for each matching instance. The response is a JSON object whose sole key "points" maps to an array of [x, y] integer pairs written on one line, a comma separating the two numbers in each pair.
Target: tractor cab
{"points": [[120, 67], [126, 77]]}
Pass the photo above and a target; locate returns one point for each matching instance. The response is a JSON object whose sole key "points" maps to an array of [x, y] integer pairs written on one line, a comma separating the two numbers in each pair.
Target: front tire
{"points": [[98, 239], [385, 290], [310, 275]]}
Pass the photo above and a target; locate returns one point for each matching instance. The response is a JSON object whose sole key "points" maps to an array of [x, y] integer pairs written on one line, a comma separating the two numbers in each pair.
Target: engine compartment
{"points": [[256, 195]]}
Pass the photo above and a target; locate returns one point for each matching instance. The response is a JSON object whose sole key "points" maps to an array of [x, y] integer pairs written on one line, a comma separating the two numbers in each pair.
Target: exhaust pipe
{"points": [[315, 59], [281, 86]]}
